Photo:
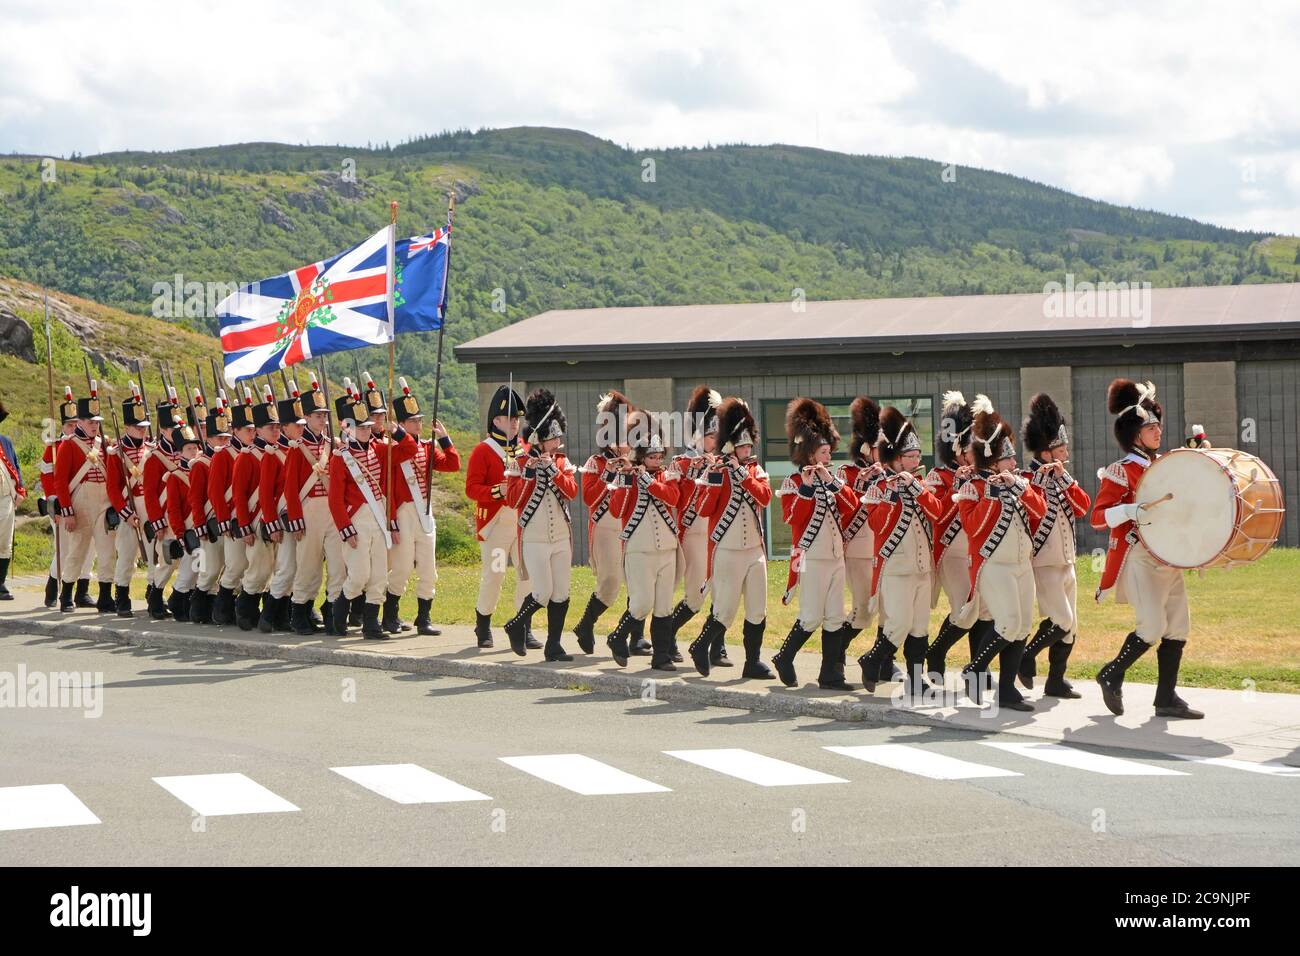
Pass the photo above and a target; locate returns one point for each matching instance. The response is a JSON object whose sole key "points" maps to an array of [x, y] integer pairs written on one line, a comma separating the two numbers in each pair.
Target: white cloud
{"points": [[1140, 104]]}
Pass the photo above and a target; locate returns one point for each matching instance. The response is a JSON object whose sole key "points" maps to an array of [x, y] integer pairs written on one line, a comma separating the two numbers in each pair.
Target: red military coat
{"points": [[1119, 481], [986, 514], [727, 490], [483, 476], [806, 505], [346, 496], [891, 508]]}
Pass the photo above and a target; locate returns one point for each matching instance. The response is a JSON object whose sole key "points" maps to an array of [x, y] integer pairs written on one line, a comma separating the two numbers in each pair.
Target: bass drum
{"points": [[1223, 508]]}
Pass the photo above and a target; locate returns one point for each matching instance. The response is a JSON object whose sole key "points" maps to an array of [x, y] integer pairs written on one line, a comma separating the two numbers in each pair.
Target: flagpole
{"points": [[437, 370], [392, 351], [49, 381]]}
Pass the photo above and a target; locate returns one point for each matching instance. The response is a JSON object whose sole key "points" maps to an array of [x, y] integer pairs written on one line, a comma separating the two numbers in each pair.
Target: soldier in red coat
{"points": [[358, 489], [415, 522], [814, 503], [999, 508], [309, 524], [271, 486], [859, 544], [645, 502], [901, 511], [604, 546], [1157, 593], [124, 480], [77, 485], [246, 497], [737, 491], [693, 530], [495, 522], [1055, 545], [234, 560], [161, 461], [50, 508], [213, 556], [951, 550], [182, 541], [540, 486]]}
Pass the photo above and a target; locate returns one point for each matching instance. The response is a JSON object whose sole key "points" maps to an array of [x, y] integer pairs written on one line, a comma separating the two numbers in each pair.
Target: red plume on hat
{"points": [[808, 426]]}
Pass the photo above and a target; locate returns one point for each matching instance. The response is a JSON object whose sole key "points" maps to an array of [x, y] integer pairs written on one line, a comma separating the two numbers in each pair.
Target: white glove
{"points": [[1118, 514]]}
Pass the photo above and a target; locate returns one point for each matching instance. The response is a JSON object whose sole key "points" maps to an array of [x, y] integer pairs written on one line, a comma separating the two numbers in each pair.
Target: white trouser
{"points": [[904, 604], [954, 580], [367, 563], [7, 504], [1158, 595], [650, 582], [261, 562], [160, 565], [693, 563], [1057, 589], [549, 565], [211, 564], [234, 561], [187, 572], [857, 573], [320, 545], [414, 551], [127, 542], [499, 545], [286, 566], [1007, 592], [89, 501], [821, 594], [606, 559], [737, 573]]}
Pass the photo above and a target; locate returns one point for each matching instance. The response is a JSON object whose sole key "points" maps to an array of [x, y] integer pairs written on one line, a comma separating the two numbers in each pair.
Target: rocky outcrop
{"points": [[273, 215], [15, 335], [166, 214]]}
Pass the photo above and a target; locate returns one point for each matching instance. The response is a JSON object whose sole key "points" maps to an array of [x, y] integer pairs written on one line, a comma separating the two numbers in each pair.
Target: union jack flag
{"points": [[337, 304]]}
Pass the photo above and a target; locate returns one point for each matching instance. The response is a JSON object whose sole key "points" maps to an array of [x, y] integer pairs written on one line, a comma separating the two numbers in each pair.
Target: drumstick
{"points": [[1151, 504]]}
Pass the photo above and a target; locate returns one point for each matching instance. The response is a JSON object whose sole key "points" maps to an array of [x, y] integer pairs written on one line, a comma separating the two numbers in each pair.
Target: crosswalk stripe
{"points": [[223, 794], [408, 783], [754, 767], [1272, 769], [1084, 759], [924, 763], [42, 805], [582, 774]]}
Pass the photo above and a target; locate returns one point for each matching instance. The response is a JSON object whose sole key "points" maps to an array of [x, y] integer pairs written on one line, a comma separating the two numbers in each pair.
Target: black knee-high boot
{"points": [[1058, 657], [391, 622], [831, 676], [423, 623], [882, 650], [682, 613], [850, 633], [122, 601], [637, 645], [371, 630], [518, 626], [340, 611], [661, 643], [65, 596], [300, 618], [617, 639], [483, 629], [1111, 675], [936, 658], [783, 659], [51, 591], [105, 604], [556, 611], [914, 649], [223, 607], [1049, 632], [356, 610], [80, 597], [754, 667], [585, 629], [699, 649], [976, 672], [1008, 668], [1169, 656]]}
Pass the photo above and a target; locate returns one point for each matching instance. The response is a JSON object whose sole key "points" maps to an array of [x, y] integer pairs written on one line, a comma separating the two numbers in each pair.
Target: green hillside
{"points": [[558, 219]]}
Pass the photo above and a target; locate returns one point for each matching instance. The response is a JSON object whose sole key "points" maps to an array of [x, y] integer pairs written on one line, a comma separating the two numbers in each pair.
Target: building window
{"points": [[775, 450]]}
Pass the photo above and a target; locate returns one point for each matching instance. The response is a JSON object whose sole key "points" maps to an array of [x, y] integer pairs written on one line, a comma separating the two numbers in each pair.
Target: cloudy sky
{"points": [[1190, 108]]}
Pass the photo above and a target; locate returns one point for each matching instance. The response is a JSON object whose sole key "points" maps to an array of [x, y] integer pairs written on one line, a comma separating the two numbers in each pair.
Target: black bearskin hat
{"points": [[735, 425], [1135, 405], [864, 413], [897, 435], [543, 417], [954, 428], [991, 437], [1044, 427], [612, 413], [505, 401], [644, 435], [808, 426], [702, 413]]}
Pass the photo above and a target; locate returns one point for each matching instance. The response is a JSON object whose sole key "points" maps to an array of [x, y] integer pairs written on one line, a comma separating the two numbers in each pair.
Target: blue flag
{"points": [[420, 296]]}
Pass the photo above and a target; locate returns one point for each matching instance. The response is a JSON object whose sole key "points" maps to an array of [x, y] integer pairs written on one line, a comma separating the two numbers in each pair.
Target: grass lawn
{"points": [[1245, 622]]}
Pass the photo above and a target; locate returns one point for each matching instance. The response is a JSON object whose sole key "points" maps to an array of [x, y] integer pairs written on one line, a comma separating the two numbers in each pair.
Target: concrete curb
{"points": [[671, 689]]}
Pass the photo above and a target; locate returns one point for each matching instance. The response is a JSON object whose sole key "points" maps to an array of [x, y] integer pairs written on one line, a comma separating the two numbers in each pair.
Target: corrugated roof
{"points": [[1212, 313]]}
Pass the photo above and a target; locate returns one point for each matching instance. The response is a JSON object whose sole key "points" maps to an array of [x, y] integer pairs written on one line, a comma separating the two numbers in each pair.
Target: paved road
{"points": [[212, 760]]}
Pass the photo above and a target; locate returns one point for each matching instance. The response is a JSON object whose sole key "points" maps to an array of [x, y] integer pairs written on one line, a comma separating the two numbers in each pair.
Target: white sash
{"points": [[316, 472], [363, 483], [413, 485], [86, 463]]}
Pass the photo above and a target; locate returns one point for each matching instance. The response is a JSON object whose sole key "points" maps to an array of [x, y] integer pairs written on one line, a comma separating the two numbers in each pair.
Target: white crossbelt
{"points": [[363, 483]]}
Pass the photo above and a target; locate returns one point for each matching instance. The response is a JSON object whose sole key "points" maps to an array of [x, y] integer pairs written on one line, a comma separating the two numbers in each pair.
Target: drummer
{"points": [[1157, 593]]}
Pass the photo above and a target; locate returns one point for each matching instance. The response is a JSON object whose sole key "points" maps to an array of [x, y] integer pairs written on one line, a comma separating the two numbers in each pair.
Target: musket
{"points": [[329, 409], [216, 379], [144, 397], [126, 475], [49, 379], [198, 370]]}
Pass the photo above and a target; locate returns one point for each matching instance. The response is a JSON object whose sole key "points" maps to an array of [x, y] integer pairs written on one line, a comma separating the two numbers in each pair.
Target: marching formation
{"points": [[247, 509]]}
